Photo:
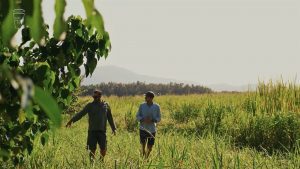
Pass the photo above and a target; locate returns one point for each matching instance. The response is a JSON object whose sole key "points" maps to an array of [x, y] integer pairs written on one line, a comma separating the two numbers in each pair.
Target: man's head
{"points": [[149, 96], [97, 94]]}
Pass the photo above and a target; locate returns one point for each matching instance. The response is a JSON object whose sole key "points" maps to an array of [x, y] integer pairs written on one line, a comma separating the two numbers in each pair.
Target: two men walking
{"points": [[99, 113]]}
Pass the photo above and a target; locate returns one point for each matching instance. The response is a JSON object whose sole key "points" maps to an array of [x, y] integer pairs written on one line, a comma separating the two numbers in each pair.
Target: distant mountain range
{"points": [[121, 75]]}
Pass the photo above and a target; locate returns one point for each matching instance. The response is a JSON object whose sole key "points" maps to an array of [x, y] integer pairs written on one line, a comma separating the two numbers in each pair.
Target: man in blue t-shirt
{"points": [[148, 115]]}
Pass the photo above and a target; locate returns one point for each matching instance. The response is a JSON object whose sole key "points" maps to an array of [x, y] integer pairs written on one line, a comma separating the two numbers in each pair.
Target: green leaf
{"points": [[4, 7], [34, 18], [59, 22], [92, 65], [91, 61], [71, 86], [21, 117], [79, 32], [48, 104], [29, 114], [77, 81], [14, 60], [4, 153], [44, 138], [65, 93], [86, 67], [25, 35], [52, 78], [46, 75], [94, 18], [69, 100], [8, 28], [74, 69], [107, 41], [42, 72]]}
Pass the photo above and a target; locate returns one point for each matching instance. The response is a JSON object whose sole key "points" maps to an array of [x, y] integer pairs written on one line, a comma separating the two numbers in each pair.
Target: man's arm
{"points": [[157, 116], [139, 116], [110, 119], [78, 116]]}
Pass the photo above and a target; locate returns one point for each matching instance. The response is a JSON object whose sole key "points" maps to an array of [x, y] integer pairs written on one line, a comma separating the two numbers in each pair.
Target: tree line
{"points": [[138, 88]]}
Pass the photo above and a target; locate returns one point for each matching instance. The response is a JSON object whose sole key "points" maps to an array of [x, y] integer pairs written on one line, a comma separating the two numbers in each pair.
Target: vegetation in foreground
{"points": [[39, 76], [246, 130]]}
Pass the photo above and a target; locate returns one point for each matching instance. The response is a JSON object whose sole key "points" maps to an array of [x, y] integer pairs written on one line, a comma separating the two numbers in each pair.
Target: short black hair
{"points": [[149, 94]]}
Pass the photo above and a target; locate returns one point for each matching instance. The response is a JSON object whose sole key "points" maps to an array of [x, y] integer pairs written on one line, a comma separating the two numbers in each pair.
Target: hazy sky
{"points": [[206, 41]]}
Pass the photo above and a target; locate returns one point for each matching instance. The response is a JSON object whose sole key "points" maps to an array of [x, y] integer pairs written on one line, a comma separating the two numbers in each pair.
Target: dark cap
{"points": [[97, 91], [149, 94]]}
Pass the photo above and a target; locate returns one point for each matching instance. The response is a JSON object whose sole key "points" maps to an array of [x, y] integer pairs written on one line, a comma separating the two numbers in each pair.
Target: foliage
{"points": [[59, 25], [138, 88], [242, 118], [171, 150], [213, 116], [130, 120], [211, 121], [276, 132], [278, 97], [185, 112], [33, 18], [38, 77], [54, 67], [249, 105]]}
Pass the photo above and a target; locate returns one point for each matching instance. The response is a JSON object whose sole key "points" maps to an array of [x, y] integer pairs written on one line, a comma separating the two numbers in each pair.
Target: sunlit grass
{"points": [[243, 130], [67, 150]]}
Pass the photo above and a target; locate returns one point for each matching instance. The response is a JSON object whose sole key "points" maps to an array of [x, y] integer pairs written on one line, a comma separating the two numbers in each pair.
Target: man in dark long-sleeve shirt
{"points": [[99, 113]]}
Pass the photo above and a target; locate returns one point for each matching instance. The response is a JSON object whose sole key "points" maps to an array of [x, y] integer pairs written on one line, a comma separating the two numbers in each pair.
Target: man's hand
{"points": [[69, 124], [147, 120]]}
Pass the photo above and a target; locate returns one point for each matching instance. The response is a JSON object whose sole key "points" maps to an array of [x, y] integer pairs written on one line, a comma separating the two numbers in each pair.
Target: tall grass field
{"points": [[259, 129]]}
